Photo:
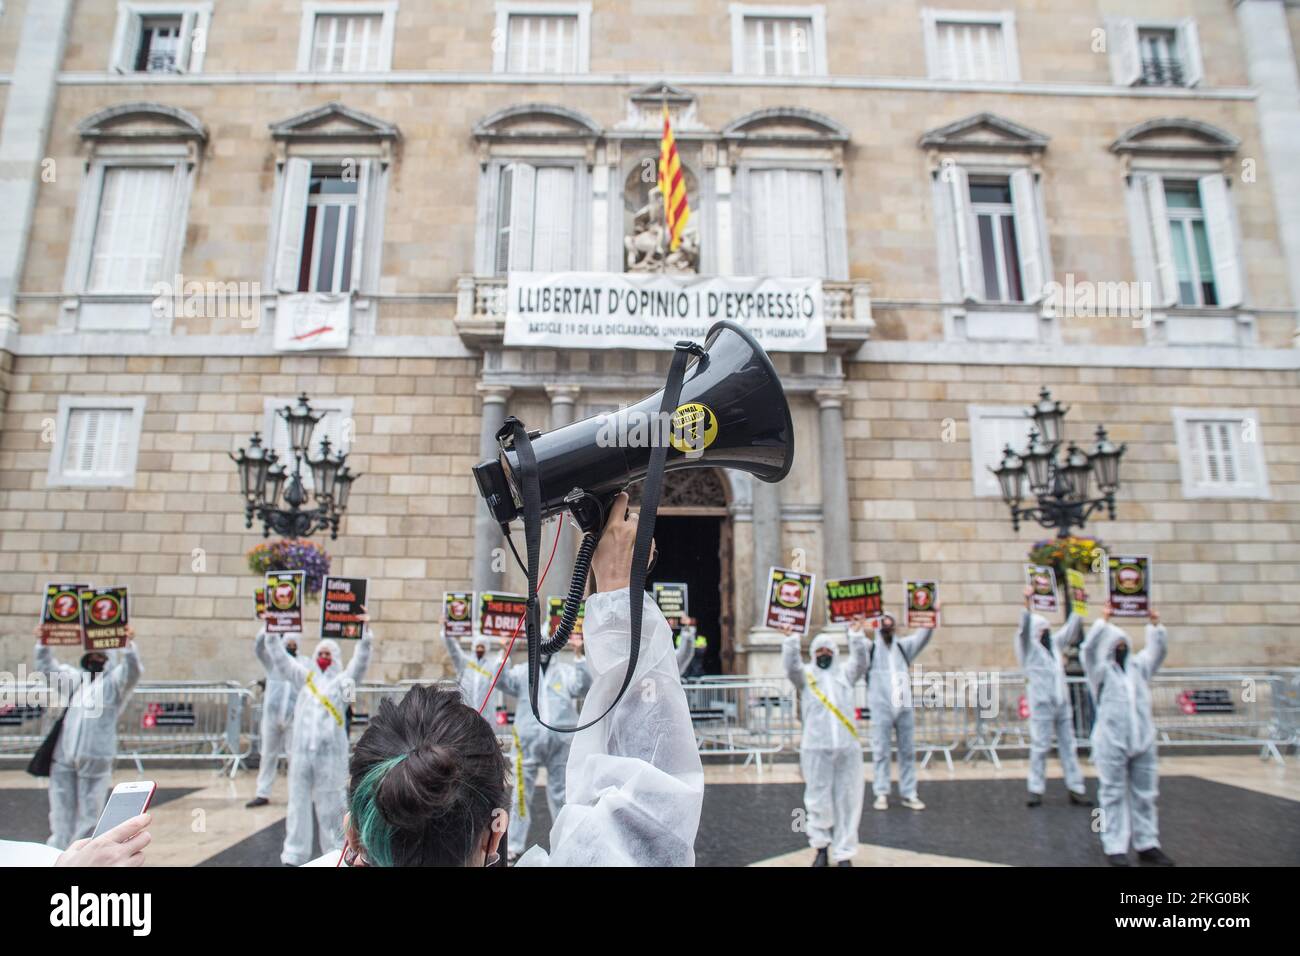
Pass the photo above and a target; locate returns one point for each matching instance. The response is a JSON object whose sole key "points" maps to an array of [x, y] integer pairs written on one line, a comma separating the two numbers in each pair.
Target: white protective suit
{"points": [[318, 759], [278, 702], [472, 673], [889, 696], [830, 754], [1049, 698], [635, 782], [81, 773], [535, 746], [1124, 735]]}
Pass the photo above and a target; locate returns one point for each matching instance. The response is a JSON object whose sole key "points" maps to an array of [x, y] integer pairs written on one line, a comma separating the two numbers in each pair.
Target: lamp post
{"points": [[1059, 488], [264, 481]]}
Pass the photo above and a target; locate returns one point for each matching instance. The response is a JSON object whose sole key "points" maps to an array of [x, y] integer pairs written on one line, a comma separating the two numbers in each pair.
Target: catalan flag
{"points": [[672, 184]]}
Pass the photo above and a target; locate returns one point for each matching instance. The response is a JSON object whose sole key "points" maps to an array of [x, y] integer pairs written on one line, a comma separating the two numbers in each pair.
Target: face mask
{"points": [[1045, 641], [546, 662], [824, 661], [324, 662], [1121, 655], [291, 651], [94, 666]]}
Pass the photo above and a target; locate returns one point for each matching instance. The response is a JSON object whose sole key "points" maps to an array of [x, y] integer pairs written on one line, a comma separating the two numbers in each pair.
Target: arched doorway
{"points": [[694, 542]]}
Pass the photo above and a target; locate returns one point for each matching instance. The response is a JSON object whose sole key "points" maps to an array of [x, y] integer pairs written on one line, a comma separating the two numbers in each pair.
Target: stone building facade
{"points": [[996, 196]]}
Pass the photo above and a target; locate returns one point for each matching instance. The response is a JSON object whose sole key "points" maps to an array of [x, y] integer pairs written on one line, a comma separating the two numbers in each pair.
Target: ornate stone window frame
{"points": [[1005, 20], [311, 9], [55, 478], [1177, 148], [336, 135], [1192, 487], [784, 138], [130, 134], [195, 18], [539, 134], [505, 9], [989, 145]]}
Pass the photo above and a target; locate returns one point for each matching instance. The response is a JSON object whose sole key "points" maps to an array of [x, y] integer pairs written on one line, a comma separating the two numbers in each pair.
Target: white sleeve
{"points": [[685, 650], [47, 663], [454, 652], [635, 782], [1153, 654], [792, 660]]}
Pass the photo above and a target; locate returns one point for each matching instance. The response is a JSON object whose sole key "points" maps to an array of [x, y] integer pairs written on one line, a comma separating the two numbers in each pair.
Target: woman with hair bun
{"points": [[428, 781]]}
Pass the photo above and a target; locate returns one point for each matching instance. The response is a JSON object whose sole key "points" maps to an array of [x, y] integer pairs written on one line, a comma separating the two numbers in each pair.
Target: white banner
{"points": [[609, 310], [306, 321]]}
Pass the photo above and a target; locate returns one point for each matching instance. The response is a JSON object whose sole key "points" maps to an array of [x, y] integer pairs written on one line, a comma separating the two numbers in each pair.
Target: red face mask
{"points": [[324, 662]]}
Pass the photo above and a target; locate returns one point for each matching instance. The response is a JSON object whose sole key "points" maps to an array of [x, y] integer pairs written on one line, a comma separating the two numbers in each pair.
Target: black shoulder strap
{"points": [[650, 494]]}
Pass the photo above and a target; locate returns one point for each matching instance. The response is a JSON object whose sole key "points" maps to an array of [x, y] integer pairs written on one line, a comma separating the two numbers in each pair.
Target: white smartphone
{"points": [[126, 801]]}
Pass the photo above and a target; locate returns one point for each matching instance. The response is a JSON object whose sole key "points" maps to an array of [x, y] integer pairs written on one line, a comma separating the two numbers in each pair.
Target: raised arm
{"points": [[455, 652], [792, 660], [859, 655], [263, 654], [125, 672], [283, 664], [1091, 655], [635, 783], [914, 644], [513, 679], [1067, 634], [47, 663], [1153, 653], [356, 669], [1024, 636]]}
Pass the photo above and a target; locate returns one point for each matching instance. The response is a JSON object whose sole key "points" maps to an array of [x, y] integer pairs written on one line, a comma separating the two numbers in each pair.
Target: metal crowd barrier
{"points": [[985, 714], [171, 720]]}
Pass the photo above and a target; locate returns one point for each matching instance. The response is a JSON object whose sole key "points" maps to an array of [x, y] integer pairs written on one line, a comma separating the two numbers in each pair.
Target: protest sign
{"points": [[284, 601], [789, 599], [456, 613], [1042, 580], [921, 598], [846, 597], [61, 615], [501, 615], [1130, 585], [104, 618], [341, 607]]}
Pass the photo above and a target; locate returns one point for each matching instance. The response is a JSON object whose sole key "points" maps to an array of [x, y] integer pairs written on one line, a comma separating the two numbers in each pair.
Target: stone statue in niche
{"points": [[647, 248]]}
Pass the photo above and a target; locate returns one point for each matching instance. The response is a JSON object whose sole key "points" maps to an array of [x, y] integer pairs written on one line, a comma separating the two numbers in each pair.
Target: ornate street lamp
{"points": [[1060, 488], [262, 478]]}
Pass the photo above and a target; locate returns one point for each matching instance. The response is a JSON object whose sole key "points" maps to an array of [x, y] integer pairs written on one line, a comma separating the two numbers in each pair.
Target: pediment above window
{"points": [[985, 132], [786, 124], [332, 128], [537, 128], [143, 122], [1176, 137], [645, 109]]}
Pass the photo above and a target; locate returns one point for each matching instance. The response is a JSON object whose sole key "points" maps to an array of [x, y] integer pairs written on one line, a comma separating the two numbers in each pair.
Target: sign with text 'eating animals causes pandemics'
{"points": [[617, 310], [284, 601], [61, 615], [789, 599], [341, 607], [846, 597]]}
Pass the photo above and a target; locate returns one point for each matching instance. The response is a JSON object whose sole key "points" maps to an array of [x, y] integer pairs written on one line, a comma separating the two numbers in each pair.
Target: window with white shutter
{"points": [[337, 425], [346, 38], [787, 222], [1154, 53], [96, 441], [541, 37], [977, 47], [132, 229], [992, 428], [1221, 453], [785, 40], [536, 210], [153, 37]]}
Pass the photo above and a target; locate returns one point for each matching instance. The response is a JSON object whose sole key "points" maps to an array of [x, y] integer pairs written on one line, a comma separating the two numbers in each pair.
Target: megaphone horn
{"points": [[732, 414]]}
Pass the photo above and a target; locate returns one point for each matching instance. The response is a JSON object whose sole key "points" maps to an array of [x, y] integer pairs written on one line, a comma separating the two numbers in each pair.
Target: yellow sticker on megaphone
{"points": [[694, 427]]}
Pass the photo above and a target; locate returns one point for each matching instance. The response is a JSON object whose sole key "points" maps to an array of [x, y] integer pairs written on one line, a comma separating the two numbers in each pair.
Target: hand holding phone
{"points": [[126, 801]]}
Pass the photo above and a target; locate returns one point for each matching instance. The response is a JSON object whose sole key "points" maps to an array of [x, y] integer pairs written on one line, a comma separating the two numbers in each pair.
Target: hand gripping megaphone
{"points": [[726, 409]]}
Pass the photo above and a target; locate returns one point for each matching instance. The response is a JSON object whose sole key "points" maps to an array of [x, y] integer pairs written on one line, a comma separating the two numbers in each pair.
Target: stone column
{"points": [[562, 399], [487, 533], [836, 525], [767, 543], [1271, 65], [33, 87]]}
